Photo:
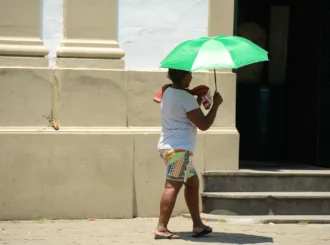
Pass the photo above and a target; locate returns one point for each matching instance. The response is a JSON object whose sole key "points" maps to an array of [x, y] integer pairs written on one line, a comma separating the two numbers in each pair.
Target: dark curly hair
{"points": [[176, 76]]}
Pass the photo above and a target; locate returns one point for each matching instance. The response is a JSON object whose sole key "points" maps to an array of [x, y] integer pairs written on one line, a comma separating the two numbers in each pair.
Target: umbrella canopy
{"points": [[218, 52]]}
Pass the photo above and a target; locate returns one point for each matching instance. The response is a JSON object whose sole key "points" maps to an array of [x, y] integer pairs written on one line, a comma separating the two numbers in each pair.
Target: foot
{"points": [[165, 234], [201, 230]]}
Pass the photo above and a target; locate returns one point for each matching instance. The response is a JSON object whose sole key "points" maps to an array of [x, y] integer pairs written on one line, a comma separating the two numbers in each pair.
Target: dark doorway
{"points": [[323, 132], [277, 107]]}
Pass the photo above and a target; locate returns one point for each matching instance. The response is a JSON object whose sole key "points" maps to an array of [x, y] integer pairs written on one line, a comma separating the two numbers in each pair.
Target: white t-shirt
{"points": [[178, 132]]}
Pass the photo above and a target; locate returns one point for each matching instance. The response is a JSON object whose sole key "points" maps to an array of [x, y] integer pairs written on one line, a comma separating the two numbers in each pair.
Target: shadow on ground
{"points": [[228, 238]]}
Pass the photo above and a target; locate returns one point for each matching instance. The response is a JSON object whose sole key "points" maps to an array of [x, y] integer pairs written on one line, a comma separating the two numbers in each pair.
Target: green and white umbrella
{"points": [[220, 52]]}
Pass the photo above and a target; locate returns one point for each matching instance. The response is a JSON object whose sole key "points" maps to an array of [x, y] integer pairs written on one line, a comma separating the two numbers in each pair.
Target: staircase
{"points": [[267, 192]]}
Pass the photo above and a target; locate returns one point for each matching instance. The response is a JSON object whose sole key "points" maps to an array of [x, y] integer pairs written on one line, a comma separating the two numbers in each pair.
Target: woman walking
{"points": [[181, 116]]}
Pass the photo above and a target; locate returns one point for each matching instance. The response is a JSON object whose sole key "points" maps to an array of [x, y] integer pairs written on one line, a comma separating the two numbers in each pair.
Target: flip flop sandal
{"points": [[170, 237], [207, 230]]}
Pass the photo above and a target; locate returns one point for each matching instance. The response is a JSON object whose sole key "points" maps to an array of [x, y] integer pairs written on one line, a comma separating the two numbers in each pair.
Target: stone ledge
{"points": [[266, 219], [96, 130], [286, 173], [266, 195], [266, 203]]}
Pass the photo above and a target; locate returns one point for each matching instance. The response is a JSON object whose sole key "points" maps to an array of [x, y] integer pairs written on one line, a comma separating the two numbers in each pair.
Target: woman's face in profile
{"points": [[187, 80]]}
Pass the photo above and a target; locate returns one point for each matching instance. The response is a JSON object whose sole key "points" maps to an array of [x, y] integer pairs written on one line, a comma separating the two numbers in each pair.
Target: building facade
{"points": [[102, 162]]}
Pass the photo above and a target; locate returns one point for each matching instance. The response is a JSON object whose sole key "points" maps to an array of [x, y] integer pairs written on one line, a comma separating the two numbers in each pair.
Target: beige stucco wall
{"points": [[103, 161]]}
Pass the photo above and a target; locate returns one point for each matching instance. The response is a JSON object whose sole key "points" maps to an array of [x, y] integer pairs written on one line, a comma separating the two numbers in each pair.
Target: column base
{"points": [[90, 49], [90, 63], [14, 46], [27, 62]]}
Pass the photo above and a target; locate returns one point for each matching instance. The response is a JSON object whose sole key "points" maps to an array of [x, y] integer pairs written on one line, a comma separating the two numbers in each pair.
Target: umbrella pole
{"points": [[215, 81]]}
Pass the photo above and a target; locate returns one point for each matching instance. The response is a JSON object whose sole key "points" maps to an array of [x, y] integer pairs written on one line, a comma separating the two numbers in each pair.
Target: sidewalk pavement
{"points": [[140, 232]]}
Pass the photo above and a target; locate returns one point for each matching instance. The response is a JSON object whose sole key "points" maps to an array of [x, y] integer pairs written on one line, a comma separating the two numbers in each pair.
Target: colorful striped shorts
{"points": [[179, 164]]}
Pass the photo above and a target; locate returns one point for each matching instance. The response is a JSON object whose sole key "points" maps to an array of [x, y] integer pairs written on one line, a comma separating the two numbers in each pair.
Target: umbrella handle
{"points": [[215, 81]]}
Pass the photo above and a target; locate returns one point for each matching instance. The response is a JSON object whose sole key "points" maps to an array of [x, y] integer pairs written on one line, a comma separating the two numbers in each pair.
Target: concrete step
{"points": [[267, 180], [266, 203], [266, 219]]}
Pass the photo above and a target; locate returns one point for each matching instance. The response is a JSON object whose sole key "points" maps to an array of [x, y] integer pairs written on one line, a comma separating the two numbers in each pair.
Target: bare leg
{"points": [[191, 194], [167, 203]]}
